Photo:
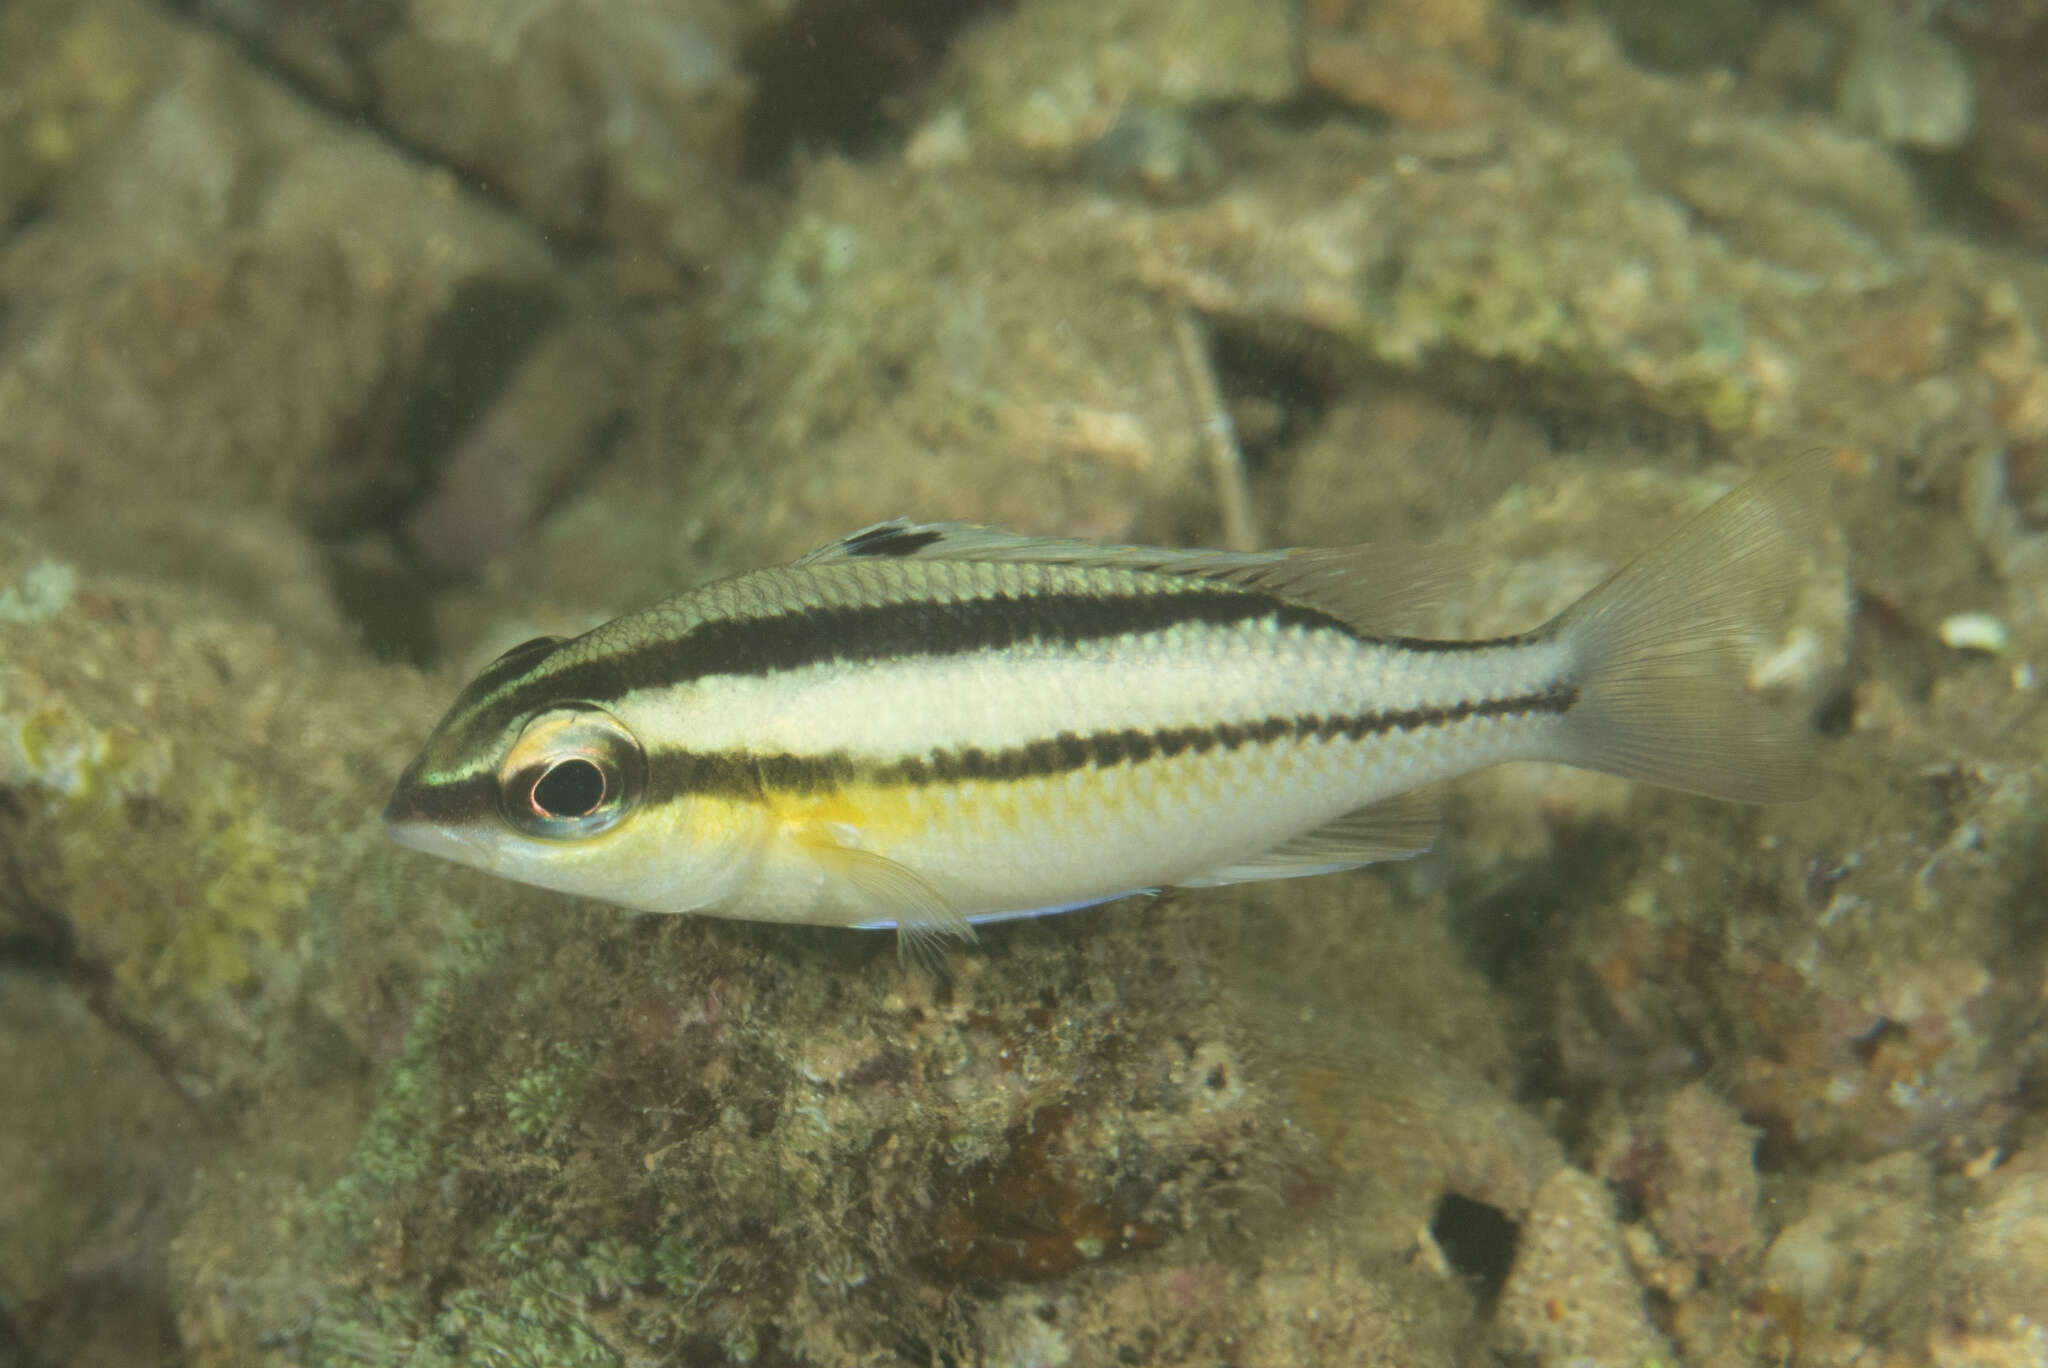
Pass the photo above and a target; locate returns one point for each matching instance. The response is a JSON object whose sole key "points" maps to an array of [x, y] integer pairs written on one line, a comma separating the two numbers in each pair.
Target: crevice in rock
{"points": [[1479, 1241], [838, 75]]}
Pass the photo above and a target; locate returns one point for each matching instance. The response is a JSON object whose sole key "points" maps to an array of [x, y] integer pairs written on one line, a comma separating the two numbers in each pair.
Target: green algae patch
{"points": [[77, 762], [539, 1097], [253, 886], [174, 874], [168, 859]]}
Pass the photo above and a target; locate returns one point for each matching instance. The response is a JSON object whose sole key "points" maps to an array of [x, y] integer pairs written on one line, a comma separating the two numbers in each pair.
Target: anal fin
{"points": [[1396, 829]]}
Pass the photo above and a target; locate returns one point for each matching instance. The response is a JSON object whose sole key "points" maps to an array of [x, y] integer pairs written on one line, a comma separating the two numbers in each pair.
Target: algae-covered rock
{"points": [[1684, 36], [619, 121], [2004, 46], [191, 806], [1905, 83], [1695, 1174], [204, 949], [1565, 264], [217, 293], [1053, 84], [93, 1183], [1856, 1258], [1572, 1297], [933, 343], [615, 1139], [596, 118], [625, 1140], [2001, 1268]]}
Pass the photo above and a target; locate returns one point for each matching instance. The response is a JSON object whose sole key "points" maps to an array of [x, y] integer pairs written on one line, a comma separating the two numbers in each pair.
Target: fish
{"points": [[927, 726]]}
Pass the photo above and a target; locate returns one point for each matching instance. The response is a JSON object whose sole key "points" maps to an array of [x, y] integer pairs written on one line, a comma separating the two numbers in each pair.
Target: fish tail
{"points": [[1662, 647]]}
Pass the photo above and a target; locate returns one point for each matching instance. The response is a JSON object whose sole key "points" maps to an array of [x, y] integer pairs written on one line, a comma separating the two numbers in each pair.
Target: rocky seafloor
{"points": [[345, 342]]}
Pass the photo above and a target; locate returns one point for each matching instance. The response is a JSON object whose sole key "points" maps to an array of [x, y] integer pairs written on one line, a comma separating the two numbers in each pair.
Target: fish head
{"points": [[551, 791]]}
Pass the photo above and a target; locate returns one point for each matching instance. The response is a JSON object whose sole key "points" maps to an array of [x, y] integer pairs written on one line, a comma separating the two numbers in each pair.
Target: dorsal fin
{"points": [[1383, 588]]}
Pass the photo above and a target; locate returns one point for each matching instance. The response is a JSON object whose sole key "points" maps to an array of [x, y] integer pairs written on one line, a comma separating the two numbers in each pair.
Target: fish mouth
{"points": [[412, 833], [446, 843]]}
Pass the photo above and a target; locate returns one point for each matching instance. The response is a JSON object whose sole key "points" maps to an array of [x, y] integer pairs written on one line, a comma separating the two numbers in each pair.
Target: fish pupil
{"points": [[570, 788]]}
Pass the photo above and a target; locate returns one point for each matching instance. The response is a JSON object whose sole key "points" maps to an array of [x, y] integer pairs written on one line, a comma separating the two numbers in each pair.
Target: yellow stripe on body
{"points": [[992, 846]]}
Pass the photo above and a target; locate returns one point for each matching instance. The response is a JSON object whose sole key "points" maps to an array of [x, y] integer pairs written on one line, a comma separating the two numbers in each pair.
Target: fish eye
{"points": [[573, 773], [570, 788]]}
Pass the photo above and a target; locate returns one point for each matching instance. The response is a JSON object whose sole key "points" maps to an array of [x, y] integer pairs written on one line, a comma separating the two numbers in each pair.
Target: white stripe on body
{"points": [[1192, 676]]}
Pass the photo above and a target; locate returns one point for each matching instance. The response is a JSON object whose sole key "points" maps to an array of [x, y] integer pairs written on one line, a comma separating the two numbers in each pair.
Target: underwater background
{"points": [[345, 343]]}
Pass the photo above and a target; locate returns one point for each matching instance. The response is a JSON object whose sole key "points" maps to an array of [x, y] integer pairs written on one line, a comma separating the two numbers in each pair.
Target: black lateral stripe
{"points": [[924, 628], [753, 646], [460, 803], [751, 777]]}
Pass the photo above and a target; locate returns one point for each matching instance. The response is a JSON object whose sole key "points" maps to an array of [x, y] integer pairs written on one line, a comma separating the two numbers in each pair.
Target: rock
{"points": [[200, 919], [1425, 65], [680, 1134], [1858, 1259], [1571, 1297], [613, 122], [597, 119], [1999, 1274], [1905, 85], [1684, 37], [2005, 161], [1695, 1175], [96, 1171], [1044, 83], [190, 790], [228, 296], [911, 341], [548, 430]]}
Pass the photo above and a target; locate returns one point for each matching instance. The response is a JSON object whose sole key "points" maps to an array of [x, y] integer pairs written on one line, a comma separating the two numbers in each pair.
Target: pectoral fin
{"points": [[880, 892]]}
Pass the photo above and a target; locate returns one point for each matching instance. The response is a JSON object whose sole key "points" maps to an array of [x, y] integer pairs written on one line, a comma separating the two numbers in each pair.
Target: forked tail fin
{"points": [[1662, 648]]}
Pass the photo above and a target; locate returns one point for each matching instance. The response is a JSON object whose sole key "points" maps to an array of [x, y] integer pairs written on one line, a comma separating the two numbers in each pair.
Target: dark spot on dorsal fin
{"points": [[513, 663], [890, 539]]}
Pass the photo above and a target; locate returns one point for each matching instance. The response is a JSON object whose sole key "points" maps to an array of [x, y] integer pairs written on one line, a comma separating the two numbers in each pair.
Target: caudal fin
{"points": [[1662, 648]]}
